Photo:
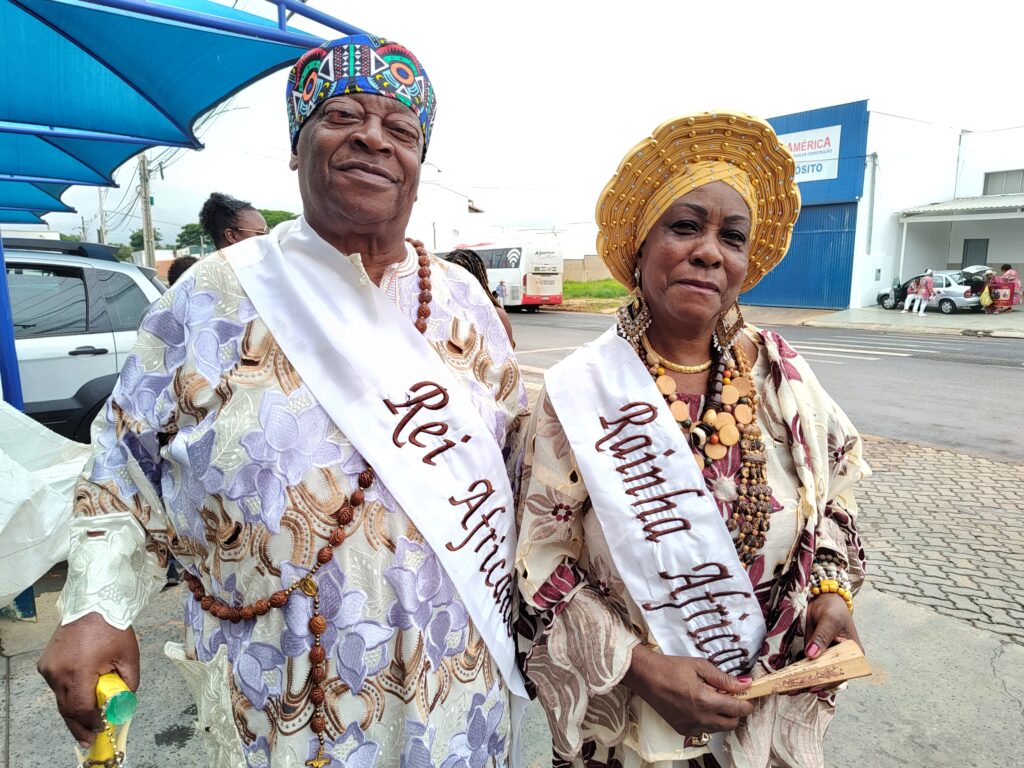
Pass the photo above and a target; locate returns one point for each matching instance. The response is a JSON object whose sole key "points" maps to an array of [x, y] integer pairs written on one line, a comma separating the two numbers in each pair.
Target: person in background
{"points": [[470, 261], [228, 221], [925, 290], [1009, 273], [910, 303], [179, 267], [502, 292]]}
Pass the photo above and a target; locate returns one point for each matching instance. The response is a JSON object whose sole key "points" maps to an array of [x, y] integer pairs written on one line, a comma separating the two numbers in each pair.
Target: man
{"points": [[501, 292], [313, 424]]}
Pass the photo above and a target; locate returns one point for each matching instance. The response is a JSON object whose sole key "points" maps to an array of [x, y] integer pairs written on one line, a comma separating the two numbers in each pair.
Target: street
{"points": [[951, 392]]}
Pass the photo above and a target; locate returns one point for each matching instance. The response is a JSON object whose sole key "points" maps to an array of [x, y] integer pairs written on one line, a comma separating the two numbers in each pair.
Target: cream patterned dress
{"points": [[213, 450], [580, 624]]}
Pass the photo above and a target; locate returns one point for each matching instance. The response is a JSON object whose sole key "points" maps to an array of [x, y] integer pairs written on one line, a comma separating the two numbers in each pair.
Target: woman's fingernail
{"points": [[812, 650], [745, 679]]}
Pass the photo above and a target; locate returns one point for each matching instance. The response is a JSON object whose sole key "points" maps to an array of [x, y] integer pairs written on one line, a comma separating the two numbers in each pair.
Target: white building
{"points": [[886, 197]]}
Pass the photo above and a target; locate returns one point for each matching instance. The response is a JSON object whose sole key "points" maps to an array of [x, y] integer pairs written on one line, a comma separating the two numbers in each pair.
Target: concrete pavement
{"points": [[942, 620]]}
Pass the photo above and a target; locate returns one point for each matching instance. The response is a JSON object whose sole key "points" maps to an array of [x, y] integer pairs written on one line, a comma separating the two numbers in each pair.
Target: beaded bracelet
{"points": [[828, 575]]}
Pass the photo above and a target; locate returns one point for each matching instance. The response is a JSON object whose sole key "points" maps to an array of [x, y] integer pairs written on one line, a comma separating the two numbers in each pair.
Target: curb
{"points": [[997, 333]]}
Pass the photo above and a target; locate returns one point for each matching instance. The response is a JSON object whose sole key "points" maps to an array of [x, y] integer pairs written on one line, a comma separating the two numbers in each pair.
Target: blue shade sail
{"points": [[85, 86]]}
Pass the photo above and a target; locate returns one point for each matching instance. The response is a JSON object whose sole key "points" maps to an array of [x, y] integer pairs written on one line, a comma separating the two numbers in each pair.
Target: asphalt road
{"points": [[961, 393]]}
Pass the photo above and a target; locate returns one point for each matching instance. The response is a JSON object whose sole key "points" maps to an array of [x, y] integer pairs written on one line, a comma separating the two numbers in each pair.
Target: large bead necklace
{"points": [[729, 417], [306, 585]]}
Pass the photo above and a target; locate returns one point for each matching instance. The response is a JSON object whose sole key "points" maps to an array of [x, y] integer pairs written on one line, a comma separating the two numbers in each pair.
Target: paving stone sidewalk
{"points": [[946, 530]]}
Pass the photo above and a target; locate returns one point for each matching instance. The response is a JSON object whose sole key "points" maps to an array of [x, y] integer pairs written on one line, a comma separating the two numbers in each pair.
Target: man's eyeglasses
{"points": [[264, 231]]}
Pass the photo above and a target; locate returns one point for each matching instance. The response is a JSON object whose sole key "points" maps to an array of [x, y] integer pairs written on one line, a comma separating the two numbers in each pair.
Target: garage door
{"points": [[816, 272]]}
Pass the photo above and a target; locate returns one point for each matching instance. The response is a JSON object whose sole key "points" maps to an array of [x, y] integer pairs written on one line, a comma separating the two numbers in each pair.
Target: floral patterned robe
{"points": [[581, 625], [213, 450]]}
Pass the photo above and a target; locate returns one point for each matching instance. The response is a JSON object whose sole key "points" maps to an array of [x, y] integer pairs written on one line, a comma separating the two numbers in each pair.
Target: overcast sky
{"points": [[538, 101]]}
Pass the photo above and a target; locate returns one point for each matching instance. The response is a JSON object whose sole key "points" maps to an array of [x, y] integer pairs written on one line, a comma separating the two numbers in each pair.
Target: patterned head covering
{"points": [[359, 64], [689, 152]]}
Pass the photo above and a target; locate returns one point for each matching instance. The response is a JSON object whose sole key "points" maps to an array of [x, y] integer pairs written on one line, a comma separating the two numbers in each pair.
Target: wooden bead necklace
{"points": [[307, 584], [729, 417]]}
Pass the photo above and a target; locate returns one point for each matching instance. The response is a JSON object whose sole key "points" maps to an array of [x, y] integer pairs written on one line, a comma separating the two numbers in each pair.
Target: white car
{"points": [[76, 313]]}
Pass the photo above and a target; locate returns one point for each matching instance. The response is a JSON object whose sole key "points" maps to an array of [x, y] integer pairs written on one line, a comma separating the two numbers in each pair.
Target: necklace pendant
{"points": [[308, 586], [320, 760]]}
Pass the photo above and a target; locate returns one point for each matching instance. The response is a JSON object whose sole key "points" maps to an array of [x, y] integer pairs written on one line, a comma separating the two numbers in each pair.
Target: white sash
{"points": [[666, 535], [402, 409]]}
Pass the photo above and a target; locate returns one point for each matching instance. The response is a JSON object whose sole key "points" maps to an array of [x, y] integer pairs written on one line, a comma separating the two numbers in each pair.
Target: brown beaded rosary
{"points": [[307, 584], [730, 409]]}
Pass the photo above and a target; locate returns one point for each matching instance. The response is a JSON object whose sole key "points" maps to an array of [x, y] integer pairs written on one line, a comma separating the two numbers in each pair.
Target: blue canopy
{"points": [[84, 86]]}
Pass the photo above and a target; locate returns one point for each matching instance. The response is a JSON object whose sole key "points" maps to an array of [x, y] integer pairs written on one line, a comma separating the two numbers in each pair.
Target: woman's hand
{"points": [[829, 620], [692, 695], [78, 653]]}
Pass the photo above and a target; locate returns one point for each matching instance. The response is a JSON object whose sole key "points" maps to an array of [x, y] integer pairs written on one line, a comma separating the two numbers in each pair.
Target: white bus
{"points": [[532, 272]]}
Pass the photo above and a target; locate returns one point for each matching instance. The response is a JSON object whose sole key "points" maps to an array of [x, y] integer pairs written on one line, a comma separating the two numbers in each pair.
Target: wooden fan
{"points": [[844, 661]]}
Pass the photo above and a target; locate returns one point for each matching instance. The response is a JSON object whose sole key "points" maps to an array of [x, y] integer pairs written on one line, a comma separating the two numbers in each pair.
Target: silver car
{"points": [[952, 293], [75, 322]]}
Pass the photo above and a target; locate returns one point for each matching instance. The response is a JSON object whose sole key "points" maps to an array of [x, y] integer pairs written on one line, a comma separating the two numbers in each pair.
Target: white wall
{"points": [[927, 246], [916, 165], [1005, 241], [987, 151]]}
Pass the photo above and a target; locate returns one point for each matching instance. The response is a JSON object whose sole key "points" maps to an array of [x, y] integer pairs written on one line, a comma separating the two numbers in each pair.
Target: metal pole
{"points": [[903, 251], [148, 247], [24, 606], [103, 215]]}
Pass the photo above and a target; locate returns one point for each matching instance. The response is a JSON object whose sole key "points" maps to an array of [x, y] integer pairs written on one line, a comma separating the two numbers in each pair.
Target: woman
{"points": [[472, 263], [228, 221], [305, 425], [687, 480]]}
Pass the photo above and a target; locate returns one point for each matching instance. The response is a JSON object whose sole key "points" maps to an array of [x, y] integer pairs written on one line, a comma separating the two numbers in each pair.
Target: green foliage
{"points": [[598, 289], [124, 253], [136, 240], [191, 234], [276, 217], [75, 238]]}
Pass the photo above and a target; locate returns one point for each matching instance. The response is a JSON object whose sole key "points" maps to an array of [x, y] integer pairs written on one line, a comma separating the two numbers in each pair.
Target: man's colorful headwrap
{"points": [[359, 64], [689, 152]]}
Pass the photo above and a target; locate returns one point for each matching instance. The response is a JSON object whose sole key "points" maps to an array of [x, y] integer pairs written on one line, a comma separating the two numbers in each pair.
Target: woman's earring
{"points": [[634, 316], [725, 334]]}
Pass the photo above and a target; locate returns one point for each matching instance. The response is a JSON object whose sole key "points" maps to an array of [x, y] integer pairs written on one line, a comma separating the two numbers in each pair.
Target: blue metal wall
{"points": [[817, 269]]}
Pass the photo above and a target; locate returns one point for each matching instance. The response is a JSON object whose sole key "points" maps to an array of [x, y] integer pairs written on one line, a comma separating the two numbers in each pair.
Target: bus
{"points": [[532, 272]]}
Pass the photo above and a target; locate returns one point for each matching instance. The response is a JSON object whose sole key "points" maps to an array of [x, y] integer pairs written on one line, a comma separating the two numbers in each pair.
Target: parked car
{"points": [[76, 312], [951, 293]]}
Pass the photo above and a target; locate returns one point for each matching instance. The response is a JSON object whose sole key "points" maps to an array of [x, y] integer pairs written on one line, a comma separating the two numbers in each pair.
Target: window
{"points": [[126, 302], [1004, 182], [46, 301]]}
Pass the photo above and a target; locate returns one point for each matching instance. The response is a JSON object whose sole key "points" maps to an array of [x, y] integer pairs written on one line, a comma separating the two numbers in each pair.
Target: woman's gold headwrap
{"points": [[689, 152]]}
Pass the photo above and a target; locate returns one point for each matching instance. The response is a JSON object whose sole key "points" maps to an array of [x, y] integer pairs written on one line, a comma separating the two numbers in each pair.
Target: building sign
{"points": [[816, 152]]}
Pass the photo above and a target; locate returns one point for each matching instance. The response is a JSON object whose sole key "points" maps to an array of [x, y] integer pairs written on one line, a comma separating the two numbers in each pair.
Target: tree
{"points": [[75, 238], [190, 234], [136, 240], [276, 217], [124, 253]]}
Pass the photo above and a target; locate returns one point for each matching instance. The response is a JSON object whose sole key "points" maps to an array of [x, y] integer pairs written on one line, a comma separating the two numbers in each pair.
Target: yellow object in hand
{"points": [[117, 704]]}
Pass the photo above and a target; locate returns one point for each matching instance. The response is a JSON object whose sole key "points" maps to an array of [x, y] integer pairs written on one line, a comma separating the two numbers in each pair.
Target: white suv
{"points": [[76, 313]]}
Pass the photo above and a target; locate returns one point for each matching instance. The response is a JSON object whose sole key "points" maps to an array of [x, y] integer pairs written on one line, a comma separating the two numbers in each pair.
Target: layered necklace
{"points": [[306, 585], [729, 418]]}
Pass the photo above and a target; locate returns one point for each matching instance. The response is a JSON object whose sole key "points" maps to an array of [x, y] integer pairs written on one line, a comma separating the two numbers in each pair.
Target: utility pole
{"points": [[148, 246], [85, 232], [103, 215]]}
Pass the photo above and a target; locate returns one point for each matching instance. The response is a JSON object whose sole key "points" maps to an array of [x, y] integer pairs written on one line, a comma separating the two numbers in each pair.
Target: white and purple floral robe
{"points": [[212, 449]]}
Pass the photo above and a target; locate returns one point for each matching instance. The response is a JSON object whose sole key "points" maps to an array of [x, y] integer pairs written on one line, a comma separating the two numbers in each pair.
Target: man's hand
{"points": [[692, 695], [73, 661]]}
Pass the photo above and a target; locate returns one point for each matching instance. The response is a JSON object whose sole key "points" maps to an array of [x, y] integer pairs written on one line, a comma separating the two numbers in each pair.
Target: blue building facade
{"points": [[830, 148]]}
